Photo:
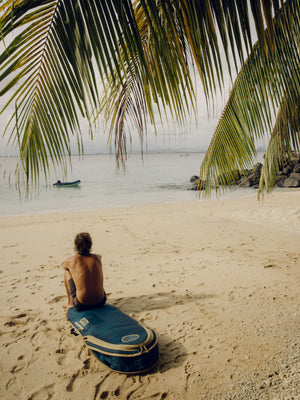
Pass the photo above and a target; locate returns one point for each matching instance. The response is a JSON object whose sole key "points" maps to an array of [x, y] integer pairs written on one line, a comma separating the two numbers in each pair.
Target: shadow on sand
{"points": [[172, 351], [156, 301]]}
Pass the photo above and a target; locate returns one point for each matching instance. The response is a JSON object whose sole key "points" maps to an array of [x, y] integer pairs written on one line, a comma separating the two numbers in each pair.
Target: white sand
{"points": [[217, 280]]}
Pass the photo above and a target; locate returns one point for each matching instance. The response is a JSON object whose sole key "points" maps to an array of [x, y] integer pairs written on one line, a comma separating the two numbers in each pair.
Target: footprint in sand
{"points": [[61, 358], [46, 392], [78, 374], [10, 382], [271, 266], [148, 317], [20, 319], [56, 299], [11, 245], [17, 368]]}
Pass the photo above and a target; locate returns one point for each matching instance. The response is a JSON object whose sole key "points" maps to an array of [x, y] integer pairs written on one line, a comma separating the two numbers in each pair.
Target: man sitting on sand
{"points": [[84, 276]]}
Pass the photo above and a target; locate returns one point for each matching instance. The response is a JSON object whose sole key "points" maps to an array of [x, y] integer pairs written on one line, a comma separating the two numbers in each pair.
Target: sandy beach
{"points": [[218, 281]]}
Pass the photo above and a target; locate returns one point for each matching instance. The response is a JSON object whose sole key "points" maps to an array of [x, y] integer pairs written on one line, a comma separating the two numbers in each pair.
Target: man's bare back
{"points": [[84, 278]]}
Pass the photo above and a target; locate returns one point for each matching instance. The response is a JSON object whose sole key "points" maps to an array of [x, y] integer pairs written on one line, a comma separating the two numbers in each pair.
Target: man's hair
{"points": [[83, 243]]}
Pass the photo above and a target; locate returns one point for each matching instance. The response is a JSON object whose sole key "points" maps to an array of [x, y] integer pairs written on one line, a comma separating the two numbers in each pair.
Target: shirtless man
{"points": [[84, 276]]}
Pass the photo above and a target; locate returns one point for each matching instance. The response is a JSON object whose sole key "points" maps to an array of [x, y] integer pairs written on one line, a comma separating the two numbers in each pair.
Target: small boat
{"points": [[184, 155], [67, 184]]}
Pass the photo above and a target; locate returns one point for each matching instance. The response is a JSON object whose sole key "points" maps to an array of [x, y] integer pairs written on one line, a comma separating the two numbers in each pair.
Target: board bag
{"points": [[116, 339]]}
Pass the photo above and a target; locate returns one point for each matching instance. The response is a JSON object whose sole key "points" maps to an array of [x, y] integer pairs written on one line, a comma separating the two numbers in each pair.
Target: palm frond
{"points": [[52, 68], [263, 84], [191, 28], [285, 139], [168, 86], [48, 94]]}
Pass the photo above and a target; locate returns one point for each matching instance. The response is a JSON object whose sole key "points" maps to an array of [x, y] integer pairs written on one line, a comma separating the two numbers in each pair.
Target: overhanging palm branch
{"points": [[62, 50], [284, 139], [133, 103], [52, 62], [193, 25], [264, 85]]}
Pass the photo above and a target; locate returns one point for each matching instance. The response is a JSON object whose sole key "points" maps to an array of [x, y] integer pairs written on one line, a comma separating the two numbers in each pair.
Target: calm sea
{"points": [[159, 178]]}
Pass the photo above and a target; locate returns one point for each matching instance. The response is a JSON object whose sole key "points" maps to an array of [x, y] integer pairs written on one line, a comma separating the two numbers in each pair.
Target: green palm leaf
{"points": [[284, 139], [192, 26], [264, 83]]}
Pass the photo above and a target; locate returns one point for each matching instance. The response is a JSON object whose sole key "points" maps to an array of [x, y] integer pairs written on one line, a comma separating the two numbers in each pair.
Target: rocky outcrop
{"points": [[251, 177], [288, 176], [196, 184], [292, 181]]}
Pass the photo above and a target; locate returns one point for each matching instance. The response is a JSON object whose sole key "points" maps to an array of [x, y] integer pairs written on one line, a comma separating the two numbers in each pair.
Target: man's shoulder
{"points": [[73, 258], [96, 256], [69, 261]]}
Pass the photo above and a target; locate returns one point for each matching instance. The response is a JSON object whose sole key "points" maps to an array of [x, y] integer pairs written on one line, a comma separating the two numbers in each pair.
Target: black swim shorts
{"points": [[76, 303]]}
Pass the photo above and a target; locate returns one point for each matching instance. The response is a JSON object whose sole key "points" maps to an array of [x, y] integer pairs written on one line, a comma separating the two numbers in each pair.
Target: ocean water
{"points": [[158, 178]]}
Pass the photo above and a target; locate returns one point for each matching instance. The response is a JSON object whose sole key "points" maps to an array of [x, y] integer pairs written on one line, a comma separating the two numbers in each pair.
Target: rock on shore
{"points": [[288, 176]]}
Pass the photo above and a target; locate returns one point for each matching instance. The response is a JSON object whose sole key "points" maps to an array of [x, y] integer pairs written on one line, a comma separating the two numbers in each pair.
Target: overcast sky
{"points": [[195, 135]]}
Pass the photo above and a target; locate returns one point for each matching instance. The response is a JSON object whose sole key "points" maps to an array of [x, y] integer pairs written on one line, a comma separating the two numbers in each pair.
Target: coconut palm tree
{"points": [[63, 60]]}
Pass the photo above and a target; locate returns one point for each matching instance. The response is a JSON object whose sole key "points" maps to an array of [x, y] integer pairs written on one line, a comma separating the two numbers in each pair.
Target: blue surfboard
{"points": [[116, 339]]}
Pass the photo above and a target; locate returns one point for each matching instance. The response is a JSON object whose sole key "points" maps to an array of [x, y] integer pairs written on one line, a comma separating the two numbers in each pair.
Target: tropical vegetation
{"points": [[63, 60]]}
